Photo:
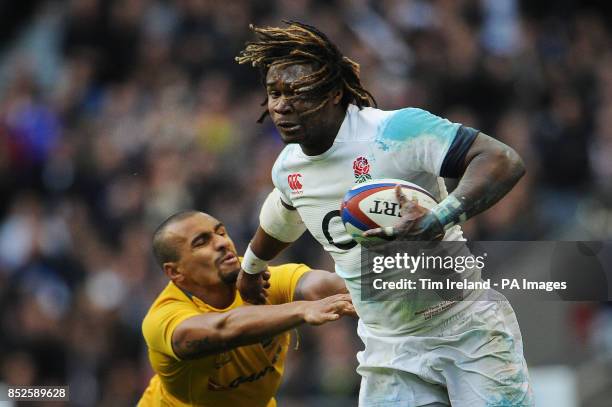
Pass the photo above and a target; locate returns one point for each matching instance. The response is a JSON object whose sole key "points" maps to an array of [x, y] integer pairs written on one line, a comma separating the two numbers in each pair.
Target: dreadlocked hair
{"points": [[303, 44]]}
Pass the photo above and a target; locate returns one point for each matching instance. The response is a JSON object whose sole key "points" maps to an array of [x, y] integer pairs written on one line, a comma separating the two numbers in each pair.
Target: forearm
{"points": [[265, 246], [262, 249], [488, 177], [251, 324], [213, 333]]}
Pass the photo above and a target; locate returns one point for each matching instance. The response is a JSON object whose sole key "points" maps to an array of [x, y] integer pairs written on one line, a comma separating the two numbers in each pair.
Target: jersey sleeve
{"points": [[284, 280], [160, 323], [283, 197], [426, 142], [453, 164]]}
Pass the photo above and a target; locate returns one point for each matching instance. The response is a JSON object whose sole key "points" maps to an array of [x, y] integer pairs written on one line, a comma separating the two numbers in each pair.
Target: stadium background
{"points": [[115, 114]]}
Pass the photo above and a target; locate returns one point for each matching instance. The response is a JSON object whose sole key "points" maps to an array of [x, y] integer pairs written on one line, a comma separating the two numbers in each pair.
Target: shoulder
{"points": [[368, 113], [169, 304], [413, 122], [288, 268], [284, 160], [361, 124], [286, 156], [288, 274], [284, 279]]}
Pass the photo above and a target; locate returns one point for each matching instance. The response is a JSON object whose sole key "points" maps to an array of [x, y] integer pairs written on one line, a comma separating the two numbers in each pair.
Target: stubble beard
{"points": [[229, 277]]}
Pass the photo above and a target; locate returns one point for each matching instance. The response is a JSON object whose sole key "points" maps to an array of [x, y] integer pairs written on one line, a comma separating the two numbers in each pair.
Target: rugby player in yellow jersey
{"points": [[205, 347]]}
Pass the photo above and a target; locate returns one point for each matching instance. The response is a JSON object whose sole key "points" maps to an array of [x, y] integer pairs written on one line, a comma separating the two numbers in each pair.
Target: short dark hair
{"points": [[163, 250], [303, 44]]}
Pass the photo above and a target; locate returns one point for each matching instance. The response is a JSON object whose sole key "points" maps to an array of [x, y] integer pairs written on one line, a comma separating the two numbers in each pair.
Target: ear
{"points": [[172, 271], [337, 96]]}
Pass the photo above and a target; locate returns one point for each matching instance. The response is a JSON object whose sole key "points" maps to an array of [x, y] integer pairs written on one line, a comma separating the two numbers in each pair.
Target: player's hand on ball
{"points": [[328, 309], [416, 222], [253, 287]]}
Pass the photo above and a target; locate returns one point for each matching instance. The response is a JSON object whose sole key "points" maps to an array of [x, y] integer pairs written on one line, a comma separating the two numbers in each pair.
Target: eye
{"points": [[222, 232], [202, 240], [273, 94], [301, 97]]}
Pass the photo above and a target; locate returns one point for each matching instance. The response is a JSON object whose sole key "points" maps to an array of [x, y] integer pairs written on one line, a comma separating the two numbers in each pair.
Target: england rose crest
{"points": [[361, 169]]}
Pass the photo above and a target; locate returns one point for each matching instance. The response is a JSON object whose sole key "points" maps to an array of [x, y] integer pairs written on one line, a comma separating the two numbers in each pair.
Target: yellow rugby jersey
{"points": [[245, 376]]}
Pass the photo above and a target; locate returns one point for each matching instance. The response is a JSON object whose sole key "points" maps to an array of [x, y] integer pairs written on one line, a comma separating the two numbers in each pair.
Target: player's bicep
{"points": [[490, 150], [279, 219], [199, 336], [317, 284], [484, 144]]}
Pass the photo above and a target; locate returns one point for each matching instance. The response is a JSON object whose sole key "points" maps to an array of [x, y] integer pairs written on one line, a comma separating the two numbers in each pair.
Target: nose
{"points": [[283, 105], [222, 242]]}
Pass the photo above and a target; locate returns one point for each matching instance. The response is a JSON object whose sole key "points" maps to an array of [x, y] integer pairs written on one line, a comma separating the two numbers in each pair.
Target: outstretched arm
{"points": [[490, 170], [216, 332]]}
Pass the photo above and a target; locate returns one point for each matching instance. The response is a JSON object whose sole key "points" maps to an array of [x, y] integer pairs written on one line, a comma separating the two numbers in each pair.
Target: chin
{"points": [[229, 277], [292, 138]]}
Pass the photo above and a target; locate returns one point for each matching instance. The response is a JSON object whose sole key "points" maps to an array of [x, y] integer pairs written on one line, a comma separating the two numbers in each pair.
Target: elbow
{"points": [[229, 331], [194, 341], [228, 336], [516, 164], [509, 165], [223, 332], [339, 285]]}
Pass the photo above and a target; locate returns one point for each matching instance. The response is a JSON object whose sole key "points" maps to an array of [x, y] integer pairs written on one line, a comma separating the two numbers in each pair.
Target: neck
{"points": [[328, 135], [319, 148], [219, 295]]}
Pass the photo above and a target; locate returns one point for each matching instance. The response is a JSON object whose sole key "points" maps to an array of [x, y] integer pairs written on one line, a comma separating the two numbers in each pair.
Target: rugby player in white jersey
{"points": [[464, 353]]}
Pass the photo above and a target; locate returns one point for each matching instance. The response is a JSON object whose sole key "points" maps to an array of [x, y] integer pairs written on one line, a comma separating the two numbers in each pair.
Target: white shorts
{"points": [[468, 355]]}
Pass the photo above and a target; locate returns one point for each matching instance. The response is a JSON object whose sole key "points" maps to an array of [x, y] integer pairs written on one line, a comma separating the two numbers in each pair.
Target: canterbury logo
{"points": [[294, 181]]}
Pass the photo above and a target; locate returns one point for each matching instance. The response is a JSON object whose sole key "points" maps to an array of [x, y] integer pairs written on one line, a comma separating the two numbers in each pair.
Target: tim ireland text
{"points": [[465, 284]]}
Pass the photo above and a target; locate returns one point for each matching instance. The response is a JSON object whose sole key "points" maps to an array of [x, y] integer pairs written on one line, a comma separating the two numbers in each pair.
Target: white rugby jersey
{"points": [[410, 144]]}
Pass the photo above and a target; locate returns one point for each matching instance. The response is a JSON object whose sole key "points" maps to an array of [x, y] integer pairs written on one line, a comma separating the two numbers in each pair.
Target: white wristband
{"points": [[449, 212], [252, 264]]}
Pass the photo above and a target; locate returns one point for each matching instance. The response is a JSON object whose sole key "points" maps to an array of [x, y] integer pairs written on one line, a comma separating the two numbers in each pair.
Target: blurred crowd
{"points": [[116, 114]]}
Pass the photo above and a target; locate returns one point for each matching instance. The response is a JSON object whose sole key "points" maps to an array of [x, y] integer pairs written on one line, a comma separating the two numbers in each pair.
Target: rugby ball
{"points": [[373, 204]]}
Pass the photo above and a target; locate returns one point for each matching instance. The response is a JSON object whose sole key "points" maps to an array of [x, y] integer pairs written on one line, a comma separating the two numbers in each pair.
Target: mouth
{"points": [[229, 259], [288, 127]]}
